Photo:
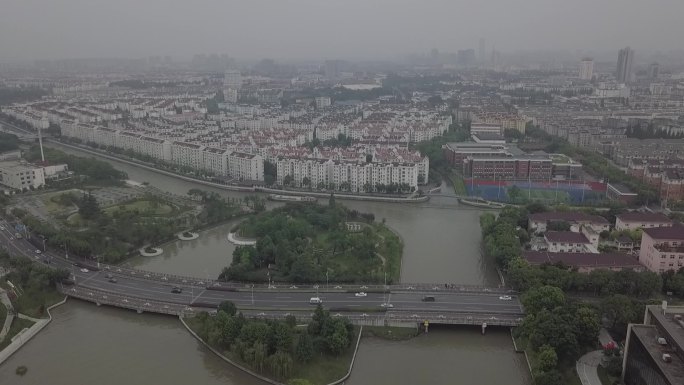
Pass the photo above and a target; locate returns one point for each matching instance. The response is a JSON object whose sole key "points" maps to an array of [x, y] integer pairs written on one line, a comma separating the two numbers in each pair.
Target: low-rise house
{"points": [[566, 241], [624, 243], [662, 248], [539, 221], [584, 262], [637, 220]]}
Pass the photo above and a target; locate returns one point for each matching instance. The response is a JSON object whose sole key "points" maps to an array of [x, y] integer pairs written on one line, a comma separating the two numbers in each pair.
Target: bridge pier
{"points": [[484, 327]]}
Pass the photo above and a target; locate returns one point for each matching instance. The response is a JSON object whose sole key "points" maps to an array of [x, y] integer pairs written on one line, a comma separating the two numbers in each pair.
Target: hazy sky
{"points": [[319, 29]]}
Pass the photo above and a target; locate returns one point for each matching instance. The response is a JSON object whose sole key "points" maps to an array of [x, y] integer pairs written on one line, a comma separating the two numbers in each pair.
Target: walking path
{"points": [[10, 314], [586, 368], [587, 364]]}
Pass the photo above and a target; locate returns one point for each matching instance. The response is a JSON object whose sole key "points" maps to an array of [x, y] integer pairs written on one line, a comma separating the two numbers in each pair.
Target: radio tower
{"points": [[40, 143]]}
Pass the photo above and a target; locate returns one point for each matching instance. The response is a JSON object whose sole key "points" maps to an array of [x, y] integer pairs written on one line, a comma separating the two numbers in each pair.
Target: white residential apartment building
{"points": [[246, 167], [187, 155], [358, 174], [215, 160]]}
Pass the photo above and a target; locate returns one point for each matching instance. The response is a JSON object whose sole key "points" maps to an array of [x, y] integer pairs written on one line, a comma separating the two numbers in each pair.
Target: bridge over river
{"points": [[145, 291]]}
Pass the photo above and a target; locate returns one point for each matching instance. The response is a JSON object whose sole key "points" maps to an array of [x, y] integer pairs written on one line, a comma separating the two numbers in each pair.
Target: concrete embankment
{"points": [[24, 336]]}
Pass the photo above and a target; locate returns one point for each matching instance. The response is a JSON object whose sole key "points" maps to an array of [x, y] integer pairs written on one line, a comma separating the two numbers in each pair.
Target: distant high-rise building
{"points": [[466, 57], [654, 70], [482, 56], [232, 79], [586, 69], [623, 73], [332, 69]]}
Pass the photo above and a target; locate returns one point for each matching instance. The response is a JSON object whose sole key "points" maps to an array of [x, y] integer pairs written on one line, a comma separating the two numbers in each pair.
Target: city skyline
{"points": [[303, 29]]}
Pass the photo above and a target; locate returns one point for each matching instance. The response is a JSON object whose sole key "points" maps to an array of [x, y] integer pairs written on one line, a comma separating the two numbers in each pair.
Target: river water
{"points": [[441, 245]]}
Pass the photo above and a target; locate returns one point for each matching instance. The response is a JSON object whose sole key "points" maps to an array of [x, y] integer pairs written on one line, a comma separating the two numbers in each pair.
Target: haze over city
{"points": [[367, 192], [315, 29]]}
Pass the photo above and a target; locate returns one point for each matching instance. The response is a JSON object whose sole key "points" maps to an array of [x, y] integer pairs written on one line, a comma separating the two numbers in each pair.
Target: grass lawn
{"points": [[49, 200], [144, 207], [545, 195], [33, 302], [392, 250], [458, 183], [17, 325], [390, 333], [326, 369]]}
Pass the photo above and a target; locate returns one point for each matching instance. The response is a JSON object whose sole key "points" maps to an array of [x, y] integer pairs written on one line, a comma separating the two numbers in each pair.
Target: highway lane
{"points": [[266, 299]]}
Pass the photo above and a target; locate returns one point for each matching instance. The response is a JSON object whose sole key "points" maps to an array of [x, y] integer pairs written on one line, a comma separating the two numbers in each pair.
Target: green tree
{"points": [[281, 364], [304, 350], [618, 309], [546, 359], [588, 325], [228, 307], [545, 297]]}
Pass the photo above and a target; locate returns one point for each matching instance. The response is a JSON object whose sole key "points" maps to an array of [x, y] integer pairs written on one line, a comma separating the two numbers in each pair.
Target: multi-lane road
{"points": [[144, 286]]}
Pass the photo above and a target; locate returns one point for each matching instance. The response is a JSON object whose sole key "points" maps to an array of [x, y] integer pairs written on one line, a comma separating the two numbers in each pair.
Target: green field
{"points": [[144, 207], [546, 195]]}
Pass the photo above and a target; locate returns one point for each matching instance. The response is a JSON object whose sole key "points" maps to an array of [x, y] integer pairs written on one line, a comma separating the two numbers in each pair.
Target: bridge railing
{"points": [[141, 305]]}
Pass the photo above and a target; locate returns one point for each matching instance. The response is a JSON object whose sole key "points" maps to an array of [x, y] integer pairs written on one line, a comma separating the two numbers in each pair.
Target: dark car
{"points": [[113, 280], [176, 290], [428, 298], [109, 275]]}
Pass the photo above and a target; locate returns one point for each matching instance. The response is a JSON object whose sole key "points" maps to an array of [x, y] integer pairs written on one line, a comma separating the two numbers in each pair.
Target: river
{"points": [[441, 245]]}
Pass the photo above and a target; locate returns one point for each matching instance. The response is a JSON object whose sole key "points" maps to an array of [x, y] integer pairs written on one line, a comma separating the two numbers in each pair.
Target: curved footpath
{"points": [[587, 366], [424, 198], [264, 378], [23, 337]]}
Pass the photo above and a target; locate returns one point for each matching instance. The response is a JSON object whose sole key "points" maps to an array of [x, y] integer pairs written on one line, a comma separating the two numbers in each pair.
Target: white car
{"points": [[84, 270], [387, 305], [361, 294], [364, 287], [505, 298], [37, 251]]}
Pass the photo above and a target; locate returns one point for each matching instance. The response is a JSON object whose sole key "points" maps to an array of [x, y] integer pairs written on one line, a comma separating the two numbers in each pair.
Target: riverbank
{"points": [[321, 370], [370, 198], [391, 333], [25, 335]]}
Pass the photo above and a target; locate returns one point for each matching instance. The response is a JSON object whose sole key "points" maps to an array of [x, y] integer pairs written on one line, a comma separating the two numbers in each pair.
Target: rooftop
{"points": [[565, 237], [644, 217], [676, 232], [567, 216], [607, 260]]}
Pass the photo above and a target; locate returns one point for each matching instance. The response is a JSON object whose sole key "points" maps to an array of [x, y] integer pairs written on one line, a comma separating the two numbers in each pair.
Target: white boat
{"points": [[291, 198]]}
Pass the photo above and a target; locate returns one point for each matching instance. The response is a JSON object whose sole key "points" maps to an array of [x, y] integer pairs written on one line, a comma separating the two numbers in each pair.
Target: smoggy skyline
{"points": [[327, 29]]}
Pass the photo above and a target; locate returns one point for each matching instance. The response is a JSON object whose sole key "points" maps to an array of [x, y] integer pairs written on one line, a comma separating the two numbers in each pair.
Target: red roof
{"points": [[565, 237], [644, 217], [567, 216], [582, 259], [676, 232]]}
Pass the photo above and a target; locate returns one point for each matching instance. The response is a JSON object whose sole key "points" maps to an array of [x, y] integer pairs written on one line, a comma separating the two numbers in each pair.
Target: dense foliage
{"points": [[93, 170], [307, 242], [8, 142], [278, 348], [433, 148], [556, 327]]}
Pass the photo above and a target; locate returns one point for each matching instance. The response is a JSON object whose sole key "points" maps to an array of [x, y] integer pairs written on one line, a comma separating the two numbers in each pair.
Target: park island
{"points": [[311, 243]]}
